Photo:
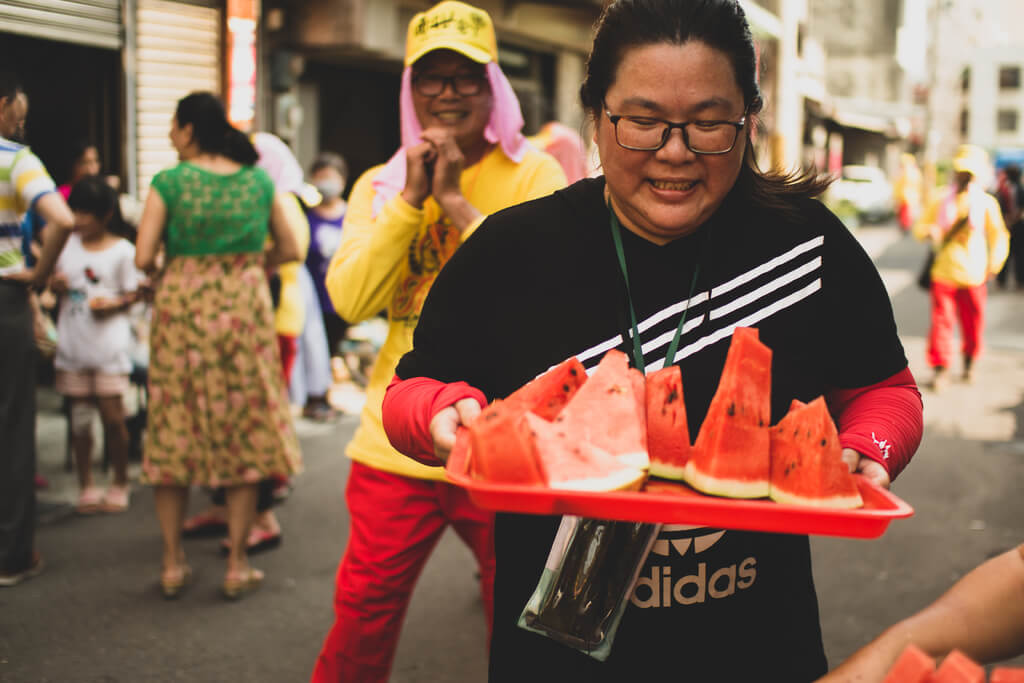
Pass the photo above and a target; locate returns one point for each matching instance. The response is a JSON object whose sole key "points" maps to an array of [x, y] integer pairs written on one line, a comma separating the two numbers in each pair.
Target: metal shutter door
{"points": [[87, 22], [178, 52]]}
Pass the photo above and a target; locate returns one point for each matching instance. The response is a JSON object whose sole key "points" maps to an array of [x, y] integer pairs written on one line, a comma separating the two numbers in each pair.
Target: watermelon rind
{"points": [[840, 502], [620, 480], [638, 459], [668, 471], [730, 488]]}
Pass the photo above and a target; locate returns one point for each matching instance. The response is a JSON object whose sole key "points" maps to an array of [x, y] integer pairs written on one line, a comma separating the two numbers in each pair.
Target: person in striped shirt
{"points": [[24, 185]]}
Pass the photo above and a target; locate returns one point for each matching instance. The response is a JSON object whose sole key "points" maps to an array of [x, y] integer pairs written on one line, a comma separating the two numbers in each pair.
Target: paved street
{"points": [[95, 615]]}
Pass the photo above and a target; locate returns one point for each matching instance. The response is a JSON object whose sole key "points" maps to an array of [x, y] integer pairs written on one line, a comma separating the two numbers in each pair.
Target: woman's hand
{"points": [[448, 165], [419, 160], [871, 469], [447, 420]]}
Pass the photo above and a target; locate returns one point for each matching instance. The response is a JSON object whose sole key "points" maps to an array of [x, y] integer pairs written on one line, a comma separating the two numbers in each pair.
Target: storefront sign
{"points": [[241, 62]]}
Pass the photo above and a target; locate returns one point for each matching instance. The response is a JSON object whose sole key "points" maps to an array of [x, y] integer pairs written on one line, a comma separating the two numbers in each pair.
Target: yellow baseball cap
{"points": [[452, 25], [971, 159]]}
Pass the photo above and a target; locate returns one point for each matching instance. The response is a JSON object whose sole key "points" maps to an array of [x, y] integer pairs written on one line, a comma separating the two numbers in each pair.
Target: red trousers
{"points": [[949, 303], [288, 347], [395, 523]]}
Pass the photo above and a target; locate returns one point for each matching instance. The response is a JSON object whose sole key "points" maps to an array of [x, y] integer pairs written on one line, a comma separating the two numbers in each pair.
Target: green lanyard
{"points": [[638, 354]]}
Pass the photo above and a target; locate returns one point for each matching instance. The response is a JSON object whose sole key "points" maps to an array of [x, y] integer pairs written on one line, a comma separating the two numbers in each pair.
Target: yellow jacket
{"points": [[978, 250], [389, 262], [290, 315]]}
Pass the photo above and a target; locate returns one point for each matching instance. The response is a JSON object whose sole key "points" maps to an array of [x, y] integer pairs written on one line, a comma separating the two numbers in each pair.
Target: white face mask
{"points": [[329, 189]]}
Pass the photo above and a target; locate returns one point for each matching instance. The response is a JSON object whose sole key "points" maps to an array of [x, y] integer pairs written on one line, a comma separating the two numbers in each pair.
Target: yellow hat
{"points": [[971, 159], [452, 25]]}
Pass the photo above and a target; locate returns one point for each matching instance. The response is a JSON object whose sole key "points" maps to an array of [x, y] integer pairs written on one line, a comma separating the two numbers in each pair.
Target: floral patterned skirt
{"points": [[218, 411]]}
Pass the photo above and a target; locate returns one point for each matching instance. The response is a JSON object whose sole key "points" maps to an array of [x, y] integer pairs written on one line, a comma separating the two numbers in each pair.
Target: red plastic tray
{"points": [[680, 504]]}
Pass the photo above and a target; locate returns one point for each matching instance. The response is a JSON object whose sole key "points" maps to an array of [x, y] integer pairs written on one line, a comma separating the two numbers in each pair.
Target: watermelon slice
{"points": [[668, 436], [548, 393], [912, 666], [958, 668], [606, 411], [1004, 675], [731, 454], [500, 451], [569, 463], [806, 460]]}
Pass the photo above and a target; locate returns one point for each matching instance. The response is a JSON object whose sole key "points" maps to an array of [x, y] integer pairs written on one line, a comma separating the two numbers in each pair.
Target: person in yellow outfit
{"points": [[463, 157], [907, 191], [966, 230]]}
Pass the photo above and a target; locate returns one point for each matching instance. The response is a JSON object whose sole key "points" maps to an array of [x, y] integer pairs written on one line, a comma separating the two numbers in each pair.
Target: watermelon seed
{"points": [[731, 410], [673, 396], [565, 388], [824, 443]]}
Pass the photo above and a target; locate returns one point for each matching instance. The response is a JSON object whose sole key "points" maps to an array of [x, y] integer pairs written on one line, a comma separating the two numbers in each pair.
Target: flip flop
{"points": [[258, 541], [235, 586], [202, 525], [115, 500], [172, 585], [90, 500]]}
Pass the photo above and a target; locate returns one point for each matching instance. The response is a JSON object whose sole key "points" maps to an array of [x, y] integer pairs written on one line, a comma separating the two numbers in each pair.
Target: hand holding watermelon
{"points": [[867, 467], [445, 423]]}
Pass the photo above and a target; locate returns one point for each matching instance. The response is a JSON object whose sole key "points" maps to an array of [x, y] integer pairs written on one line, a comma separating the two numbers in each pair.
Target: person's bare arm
{"points": [[284, 247], [982, 615], [151, 231], [59, 223]]}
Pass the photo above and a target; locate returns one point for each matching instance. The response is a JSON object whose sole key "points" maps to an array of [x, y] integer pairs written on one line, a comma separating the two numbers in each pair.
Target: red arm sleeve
{"points": [[409, 406], [883, 421]]}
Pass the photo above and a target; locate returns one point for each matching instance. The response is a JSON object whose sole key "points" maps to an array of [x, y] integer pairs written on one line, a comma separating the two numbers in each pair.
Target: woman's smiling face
{"points": [[465, 115], [668, 193]]}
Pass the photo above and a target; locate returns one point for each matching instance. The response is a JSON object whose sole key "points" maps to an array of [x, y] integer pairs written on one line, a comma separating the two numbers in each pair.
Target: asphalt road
{"points": [[95, 615]]}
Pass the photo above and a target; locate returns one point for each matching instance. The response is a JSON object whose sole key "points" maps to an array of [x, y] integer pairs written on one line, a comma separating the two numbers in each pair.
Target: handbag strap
{"points": [[957, 227]]}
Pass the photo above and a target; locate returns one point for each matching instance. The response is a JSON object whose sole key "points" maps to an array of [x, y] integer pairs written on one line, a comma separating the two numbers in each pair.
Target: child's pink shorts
{"points": [[81, 384]]}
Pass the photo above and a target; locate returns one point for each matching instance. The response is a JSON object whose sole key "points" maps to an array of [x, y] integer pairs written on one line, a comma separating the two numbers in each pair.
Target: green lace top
{"points": [[213, 213]]}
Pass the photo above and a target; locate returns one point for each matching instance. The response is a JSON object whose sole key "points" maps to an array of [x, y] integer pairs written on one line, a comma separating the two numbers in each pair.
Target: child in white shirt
{"points": [[97, 281]]}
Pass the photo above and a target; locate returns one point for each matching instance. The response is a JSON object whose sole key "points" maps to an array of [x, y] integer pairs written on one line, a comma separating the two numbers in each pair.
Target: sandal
{"points": [[258, 541], [116, 499], [204, 524], [90, 500], [237, 584], [173, 582]]}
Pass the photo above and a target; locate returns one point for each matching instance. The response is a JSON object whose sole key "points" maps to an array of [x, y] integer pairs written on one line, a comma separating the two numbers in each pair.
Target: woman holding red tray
{"points": [[682, 223]]}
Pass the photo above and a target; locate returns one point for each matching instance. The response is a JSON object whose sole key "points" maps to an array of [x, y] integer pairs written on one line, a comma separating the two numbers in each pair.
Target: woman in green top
{"points": [[218, 411]]}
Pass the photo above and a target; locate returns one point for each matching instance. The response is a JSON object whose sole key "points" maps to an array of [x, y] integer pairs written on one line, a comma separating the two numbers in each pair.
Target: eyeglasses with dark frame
{"points": [[432, 85], [648, 134]]}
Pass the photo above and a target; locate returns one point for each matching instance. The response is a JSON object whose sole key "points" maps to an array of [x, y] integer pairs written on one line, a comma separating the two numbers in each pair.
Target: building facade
{"points": [[110, 72]]}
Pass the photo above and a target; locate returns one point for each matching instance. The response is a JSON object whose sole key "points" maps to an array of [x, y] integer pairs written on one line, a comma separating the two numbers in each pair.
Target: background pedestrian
{"points": [[29, 185], [463, 156], [97, 283], [218, 410], [965, 228]]}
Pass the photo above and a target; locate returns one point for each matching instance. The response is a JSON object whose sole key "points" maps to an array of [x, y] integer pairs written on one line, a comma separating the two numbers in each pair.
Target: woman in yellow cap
{"points": [[966, 230], [462, 157]]}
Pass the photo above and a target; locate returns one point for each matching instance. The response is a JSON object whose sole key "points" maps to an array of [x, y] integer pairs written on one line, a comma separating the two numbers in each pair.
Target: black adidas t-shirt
{"points": [[540, 282]]}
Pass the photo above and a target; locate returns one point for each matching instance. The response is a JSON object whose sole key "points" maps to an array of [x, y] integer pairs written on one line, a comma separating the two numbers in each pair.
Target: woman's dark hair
{"points": [[78, 149], [329, 160], [94, 196], [211, 130], [10, 86], [720, 24]]}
